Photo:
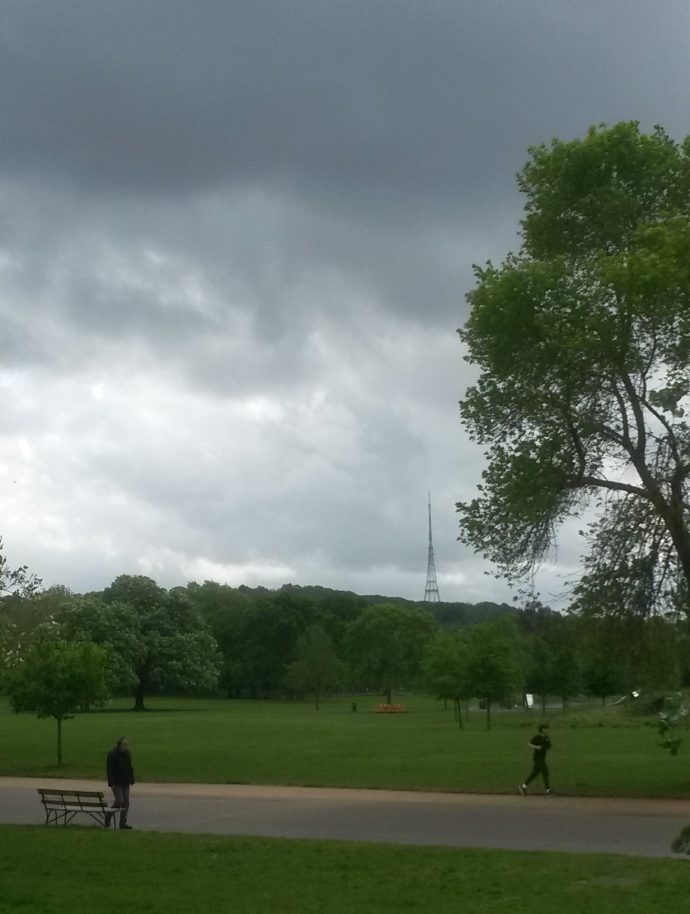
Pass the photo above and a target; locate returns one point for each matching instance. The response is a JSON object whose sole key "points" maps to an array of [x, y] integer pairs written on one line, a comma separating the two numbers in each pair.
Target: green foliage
{"points": [[552, 655], [446, 669], [622, 650], [54, 678], [446, 666], [582, 341], [539, 668], [564, 667], [225, 610], [386, 646], [606, 654], [257, 629], [270, 632], [659, 668], [672, 719], [317, 667], [17, 586], [495, 664], [156, 640], [16, 581], [115, 627]]}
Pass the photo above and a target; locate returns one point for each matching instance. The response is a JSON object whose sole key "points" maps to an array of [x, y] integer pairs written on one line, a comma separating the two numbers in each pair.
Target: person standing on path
{"points": [[120, 775], [541, 745]]}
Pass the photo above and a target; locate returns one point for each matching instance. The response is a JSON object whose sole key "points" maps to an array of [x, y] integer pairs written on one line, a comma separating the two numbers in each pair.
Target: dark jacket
{"points": [[119, 768], [541, 745]]}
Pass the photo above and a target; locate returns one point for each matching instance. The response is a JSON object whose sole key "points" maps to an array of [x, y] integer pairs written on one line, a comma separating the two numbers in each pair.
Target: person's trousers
{"points": [[121, 794], [540, 768]]}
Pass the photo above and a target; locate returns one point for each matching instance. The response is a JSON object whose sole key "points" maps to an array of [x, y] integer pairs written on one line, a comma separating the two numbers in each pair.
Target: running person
{"points": [[541, 745]]}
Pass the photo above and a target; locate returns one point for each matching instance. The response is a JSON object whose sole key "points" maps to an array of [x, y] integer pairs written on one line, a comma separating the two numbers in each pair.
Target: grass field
{"points": [[82, 870], [596, 753]]}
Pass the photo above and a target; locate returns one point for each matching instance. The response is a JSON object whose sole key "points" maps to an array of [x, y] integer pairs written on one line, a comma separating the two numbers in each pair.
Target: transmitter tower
{"points": [[431, 589]]}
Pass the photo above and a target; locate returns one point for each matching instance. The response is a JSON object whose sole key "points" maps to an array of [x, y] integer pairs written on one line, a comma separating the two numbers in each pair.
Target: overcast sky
{"points": [[235, 243]]}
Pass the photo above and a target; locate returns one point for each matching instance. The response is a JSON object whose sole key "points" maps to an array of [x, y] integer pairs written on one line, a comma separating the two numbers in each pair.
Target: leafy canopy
{"points": [[55, 678], [156, 639], [582, 342], [16, 581], [386, 645]]}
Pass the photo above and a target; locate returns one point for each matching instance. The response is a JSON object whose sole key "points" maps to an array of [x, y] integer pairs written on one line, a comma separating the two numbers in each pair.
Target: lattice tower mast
{"points": [[431, 589]]}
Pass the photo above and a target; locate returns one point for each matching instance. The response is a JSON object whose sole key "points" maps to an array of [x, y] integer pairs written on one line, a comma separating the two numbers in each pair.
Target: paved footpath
{"points": [[638, 827]]}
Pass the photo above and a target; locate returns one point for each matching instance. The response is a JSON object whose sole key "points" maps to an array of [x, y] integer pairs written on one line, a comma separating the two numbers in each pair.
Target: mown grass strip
{"points": [[81, 870], [596, 753]]}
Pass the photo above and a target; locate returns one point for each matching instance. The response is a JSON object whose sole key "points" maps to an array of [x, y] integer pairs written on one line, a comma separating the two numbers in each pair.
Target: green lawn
{"points": [[595, 752], [82, 870]]}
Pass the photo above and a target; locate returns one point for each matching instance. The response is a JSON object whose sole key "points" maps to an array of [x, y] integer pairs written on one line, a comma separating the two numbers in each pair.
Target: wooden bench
{"points": [[64, 805]]}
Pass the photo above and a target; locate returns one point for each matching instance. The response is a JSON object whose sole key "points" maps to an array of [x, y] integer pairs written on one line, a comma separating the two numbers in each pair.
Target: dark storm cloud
{"points": [[404, 103]]}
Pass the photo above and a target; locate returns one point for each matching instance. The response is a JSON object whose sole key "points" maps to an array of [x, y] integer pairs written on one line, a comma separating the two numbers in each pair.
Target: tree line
{"points": [[138, 638]]}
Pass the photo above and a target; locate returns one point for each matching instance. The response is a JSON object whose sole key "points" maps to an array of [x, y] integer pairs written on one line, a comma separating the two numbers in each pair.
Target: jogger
{"points": [[541, 745]]}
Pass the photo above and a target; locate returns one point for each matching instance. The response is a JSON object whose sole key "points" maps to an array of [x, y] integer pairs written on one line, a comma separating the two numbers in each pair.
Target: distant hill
{"points": [[448, 615]]}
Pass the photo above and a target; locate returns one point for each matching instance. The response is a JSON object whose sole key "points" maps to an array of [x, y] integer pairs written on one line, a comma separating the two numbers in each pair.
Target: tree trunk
{"points": [[467, 709], [678, 528], [139, 698], [389, 694], [458, 711], [543, 704], [59, 740], [318, 698], [488, 714]]}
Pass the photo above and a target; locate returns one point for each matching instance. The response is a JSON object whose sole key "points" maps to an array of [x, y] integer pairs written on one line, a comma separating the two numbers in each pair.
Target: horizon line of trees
{"points": [[62, 653], [242, 642]]}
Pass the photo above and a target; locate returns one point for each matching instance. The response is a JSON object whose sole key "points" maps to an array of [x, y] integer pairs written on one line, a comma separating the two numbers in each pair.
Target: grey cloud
{"points": [[235, 239], [232, 292], [384, 100]]}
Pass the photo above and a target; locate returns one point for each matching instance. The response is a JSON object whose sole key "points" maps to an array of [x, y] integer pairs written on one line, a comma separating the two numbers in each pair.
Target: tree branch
{"points": [[611, 485], [639, 449], [624, 416], [577, 442], [659, 416]]}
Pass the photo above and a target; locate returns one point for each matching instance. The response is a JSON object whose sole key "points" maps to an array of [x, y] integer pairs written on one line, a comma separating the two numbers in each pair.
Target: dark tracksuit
{"points": [[541, 744]]}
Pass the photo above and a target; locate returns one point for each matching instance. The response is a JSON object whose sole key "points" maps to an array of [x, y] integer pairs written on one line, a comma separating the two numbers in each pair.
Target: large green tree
{"points": [[386, 645], [495, 664], [581, 340], [316, 667], [156, 639], [226, 610], [269, 640], [446, 670]]}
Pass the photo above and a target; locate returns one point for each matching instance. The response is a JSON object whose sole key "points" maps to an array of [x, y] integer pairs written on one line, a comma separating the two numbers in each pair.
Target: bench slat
{"points": [[63, 805], [75, 805], [69, 793]]}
